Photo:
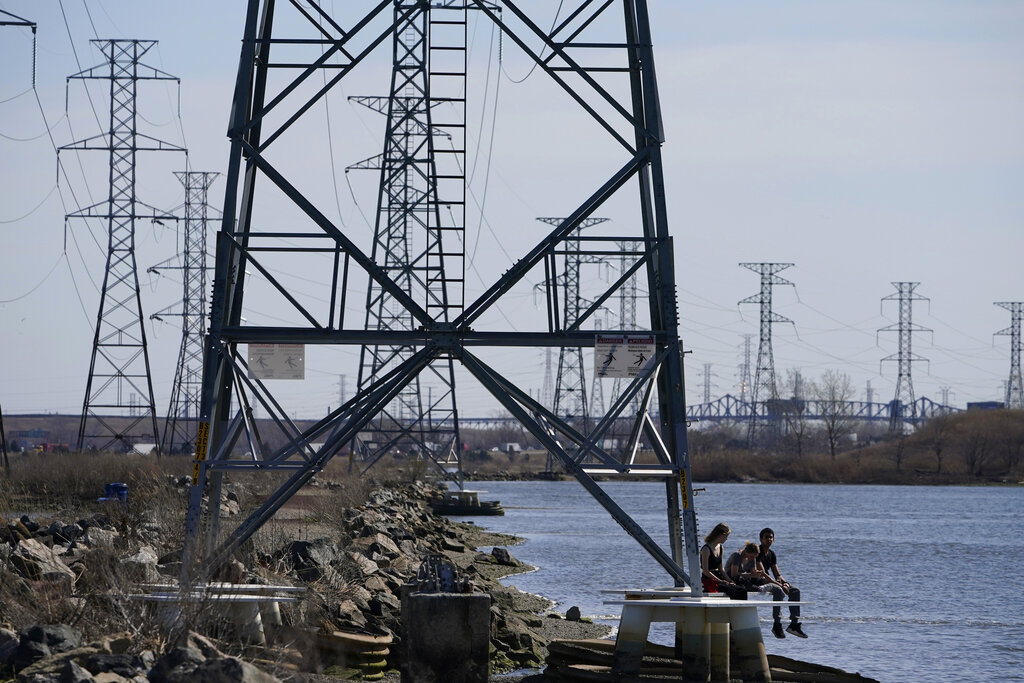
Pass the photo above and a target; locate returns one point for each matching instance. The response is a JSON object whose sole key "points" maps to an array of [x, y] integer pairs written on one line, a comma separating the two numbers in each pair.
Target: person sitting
{"points": [[745, 571], [767, 561], [713, 577]]}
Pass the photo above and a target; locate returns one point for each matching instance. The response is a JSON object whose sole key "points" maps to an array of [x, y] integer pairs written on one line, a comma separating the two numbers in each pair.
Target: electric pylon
{"points": [[547, 391], [183, 411], [745, 380], [904, 357], [707, 383], [273, 99], [419, 235], [765, 388], [119, 371], [571, 379], [15, 20], [1014, 385]]}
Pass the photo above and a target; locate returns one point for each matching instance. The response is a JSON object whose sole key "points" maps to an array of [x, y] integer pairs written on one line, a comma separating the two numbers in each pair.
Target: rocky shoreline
{"points": [[92, 628]]}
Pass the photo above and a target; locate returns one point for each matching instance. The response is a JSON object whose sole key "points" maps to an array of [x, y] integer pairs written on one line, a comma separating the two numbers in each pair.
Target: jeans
{"points": [[778, 595]]}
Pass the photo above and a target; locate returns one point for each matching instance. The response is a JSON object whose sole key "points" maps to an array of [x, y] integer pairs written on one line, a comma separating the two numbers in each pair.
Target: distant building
{"points": [[986, 405]]}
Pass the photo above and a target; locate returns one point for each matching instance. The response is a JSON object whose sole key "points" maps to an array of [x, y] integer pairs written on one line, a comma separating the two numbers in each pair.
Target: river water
{"points": [[908, 583]]}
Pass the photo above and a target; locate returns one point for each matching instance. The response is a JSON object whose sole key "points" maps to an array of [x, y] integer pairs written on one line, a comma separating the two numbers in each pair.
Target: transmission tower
{"points": [[419, 235], [274, 98], [745, 380], [905, 357], [707, 383], [765, 388], [869, 393], [1014, 385], [570, 399], [15, 20], [183, 412], [119, 371], [547, 392]]}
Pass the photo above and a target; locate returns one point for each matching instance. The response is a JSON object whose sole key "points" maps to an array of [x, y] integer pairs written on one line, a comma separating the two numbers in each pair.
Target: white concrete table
{"points": [[705, 624]]}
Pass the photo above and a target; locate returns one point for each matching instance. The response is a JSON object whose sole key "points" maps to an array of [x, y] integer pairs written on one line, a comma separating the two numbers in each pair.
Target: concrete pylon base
{"points": [[446, 637]]}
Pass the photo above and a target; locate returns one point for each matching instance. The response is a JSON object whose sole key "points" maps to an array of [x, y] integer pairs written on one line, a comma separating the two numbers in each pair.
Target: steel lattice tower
{"points": [[707, 383], [119, 371], [745, 367], [627, 308], [1014, 385], [904, 357], [272, 95], [570, 399], [765, 387], [419, 235], [183, 412]]}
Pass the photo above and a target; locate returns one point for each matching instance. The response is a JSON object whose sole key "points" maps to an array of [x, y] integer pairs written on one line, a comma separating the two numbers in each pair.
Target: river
{"points": [[908, 583]]}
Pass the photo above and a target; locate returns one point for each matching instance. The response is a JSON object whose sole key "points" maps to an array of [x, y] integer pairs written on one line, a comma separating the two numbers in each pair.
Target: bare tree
{"points": [[834, 392], [937, 430], [792, 412]]}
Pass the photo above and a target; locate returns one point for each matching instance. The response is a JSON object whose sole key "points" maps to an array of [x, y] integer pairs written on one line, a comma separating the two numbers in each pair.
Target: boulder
{"points": [[98, 537], [73, 673], [32, 560], [141, 566], [504, 557], [573, 614], [226, 670], [177, 664]]}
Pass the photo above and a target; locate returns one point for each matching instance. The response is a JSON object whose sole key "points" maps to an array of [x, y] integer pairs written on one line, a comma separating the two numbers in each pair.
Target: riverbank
{"points": [[350, 545]]}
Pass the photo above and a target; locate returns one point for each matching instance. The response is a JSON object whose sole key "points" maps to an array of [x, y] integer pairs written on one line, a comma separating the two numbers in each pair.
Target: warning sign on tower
{"points": [[622, 355]]}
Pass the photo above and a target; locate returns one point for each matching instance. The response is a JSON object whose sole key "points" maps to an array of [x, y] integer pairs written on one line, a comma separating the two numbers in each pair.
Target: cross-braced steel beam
{"points": [[614, 89]]}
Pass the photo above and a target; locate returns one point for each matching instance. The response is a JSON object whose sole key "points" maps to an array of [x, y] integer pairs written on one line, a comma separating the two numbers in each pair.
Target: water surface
{"points": [[909, 583]]}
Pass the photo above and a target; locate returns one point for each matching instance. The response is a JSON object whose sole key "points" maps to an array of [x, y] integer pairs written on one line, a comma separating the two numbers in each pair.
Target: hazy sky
{"points": [[865, 142]]}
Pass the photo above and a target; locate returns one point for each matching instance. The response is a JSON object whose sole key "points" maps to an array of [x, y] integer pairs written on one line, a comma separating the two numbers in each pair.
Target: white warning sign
{"points": [[622, 355], [277, 361]]}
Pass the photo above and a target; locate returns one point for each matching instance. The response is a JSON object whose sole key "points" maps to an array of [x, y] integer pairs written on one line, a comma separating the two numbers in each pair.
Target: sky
{"points": [[864, 142]]}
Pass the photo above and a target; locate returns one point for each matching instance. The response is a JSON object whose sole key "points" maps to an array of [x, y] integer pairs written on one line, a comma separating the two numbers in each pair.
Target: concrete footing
{"points": [[446, 637]]}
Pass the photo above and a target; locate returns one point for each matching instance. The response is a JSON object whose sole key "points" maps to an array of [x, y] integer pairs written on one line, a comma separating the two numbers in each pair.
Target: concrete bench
{"points": [[706, 625], [249, 606]]}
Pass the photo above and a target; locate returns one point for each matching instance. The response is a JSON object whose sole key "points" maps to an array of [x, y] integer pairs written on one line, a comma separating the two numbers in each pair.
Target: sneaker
{"points": [[777, 630], [796, 630]]}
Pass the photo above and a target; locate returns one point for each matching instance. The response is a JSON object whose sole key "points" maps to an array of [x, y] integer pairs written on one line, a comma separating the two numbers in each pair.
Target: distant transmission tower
{"points": [[1014, 386], [570, 381], [765, 387], [183, 412], [419, 238], [869, 393], [745, 367], [547, 391], [707, 383], [119, 368], [627, 309], [905, 357]]}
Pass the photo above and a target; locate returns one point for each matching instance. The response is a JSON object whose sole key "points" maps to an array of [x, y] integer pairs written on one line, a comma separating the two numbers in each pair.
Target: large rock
{"points": [[35, 561], [141, 566], [177, 664], [38, 644], [225, 670], [310, 559]]}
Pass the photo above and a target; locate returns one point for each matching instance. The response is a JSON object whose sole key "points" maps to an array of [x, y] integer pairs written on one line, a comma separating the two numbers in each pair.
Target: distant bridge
{"points": [[729, 408], [732, 409]]}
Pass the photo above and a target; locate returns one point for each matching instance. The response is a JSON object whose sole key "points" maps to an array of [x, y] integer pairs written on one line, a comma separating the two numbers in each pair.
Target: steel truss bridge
{"points": [[729, 408]]}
